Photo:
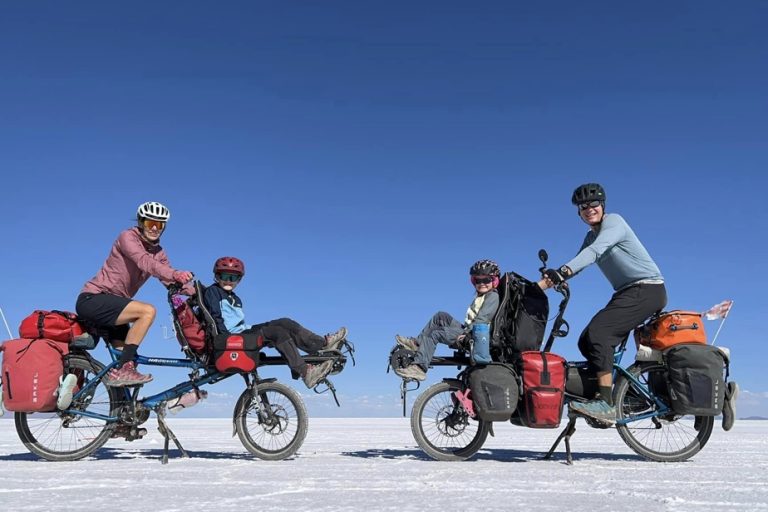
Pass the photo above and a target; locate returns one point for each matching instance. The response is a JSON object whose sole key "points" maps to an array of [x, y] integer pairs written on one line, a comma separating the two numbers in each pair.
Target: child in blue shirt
{"points": [[284, 334]]}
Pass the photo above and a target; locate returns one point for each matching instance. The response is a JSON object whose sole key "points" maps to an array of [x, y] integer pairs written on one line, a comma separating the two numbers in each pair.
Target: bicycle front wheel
{"points": [[663, 438], [441, 426], [273, 424], [64, 436]]}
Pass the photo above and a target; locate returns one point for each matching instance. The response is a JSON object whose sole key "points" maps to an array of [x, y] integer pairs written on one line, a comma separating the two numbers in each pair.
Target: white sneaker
{"points": [[65, 391], [334, 340]]}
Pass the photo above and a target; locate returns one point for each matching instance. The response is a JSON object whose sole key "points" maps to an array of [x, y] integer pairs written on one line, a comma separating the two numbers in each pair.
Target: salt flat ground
{"points": [[375, 464]]}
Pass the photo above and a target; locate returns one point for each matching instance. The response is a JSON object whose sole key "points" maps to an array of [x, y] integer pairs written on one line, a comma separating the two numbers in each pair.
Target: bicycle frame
{"points": [[158, 398]]}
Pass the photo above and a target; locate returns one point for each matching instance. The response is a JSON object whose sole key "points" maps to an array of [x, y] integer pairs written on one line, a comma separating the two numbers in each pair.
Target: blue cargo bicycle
{"points": [[269, 417], [446, 427]]}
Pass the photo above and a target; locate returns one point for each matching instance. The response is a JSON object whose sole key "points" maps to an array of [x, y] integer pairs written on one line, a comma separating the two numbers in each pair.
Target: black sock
{"points": [[129, 354], [605, 394]]}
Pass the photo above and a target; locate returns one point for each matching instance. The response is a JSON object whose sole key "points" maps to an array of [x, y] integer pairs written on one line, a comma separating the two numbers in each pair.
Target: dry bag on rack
{"points": [[672, 328], [53, 325], [695, 378], [494, 391], [543, 376]]}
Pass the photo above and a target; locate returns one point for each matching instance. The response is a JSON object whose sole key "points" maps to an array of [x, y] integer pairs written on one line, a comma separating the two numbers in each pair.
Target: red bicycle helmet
{"points": [[229, 264]]}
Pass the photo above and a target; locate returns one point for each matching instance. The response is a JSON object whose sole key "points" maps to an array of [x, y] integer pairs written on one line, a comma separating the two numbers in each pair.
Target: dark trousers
{"points": [[287, 336], [626, 310]]}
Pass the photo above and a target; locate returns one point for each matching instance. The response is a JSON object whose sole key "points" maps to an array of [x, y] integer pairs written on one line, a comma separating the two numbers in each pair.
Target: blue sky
{"points": [[359, 157]]}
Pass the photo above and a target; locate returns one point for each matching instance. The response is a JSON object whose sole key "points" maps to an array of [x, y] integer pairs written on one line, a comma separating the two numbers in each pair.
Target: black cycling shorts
{"points": [[101, 310]]}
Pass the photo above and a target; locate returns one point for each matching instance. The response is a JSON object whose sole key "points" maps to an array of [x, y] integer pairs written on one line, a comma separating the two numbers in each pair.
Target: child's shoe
{"points": [[314, 373], [413, 372], [65, 391], [409, 343], [334, 340], [126, 375]]}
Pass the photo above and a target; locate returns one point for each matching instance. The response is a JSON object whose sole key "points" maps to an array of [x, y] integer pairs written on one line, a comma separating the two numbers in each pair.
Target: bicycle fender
{"points": [[454, 382]]}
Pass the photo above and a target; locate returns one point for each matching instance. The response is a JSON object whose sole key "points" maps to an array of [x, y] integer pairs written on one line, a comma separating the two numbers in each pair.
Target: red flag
{"points": [[718, 310]]}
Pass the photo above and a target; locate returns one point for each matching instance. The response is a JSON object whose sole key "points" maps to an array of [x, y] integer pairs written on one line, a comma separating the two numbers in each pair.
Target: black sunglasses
{"points": [[482, 280], [226, 276], [591, 204]]}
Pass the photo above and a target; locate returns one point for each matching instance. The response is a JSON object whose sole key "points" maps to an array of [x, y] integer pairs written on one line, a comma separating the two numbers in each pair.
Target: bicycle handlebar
{"points": [[560, 327]]}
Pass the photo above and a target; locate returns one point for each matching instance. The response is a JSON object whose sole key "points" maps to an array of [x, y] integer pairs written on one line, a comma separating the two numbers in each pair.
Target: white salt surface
{"points": [[375, 464]]}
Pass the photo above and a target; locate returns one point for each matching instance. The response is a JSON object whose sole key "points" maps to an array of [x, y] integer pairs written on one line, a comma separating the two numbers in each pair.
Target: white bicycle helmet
{"points": [[153, 211]]}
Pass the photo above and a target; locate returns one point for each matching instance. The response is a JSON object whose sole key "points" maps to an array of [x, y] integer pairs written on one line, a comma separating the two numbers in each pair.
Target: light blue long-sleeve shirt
{"points": [[618, 252]]}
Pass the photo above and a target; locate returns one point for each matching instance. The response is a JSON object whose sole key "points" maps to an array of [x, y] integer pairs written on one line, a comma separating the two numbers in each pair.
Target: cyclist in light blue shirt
{"points": [[638, 291]]}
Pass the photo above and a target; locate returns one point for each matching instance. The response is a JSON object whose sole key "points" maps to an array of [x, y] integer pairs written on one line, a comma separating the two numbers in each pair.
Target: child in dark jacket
{"points": [[443, 328], [284, 334]]}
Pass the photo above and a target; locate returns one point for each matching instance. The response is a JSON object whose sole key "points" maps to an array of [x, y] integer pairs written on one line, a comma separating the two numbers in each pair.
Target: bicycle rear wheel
{"points": [[442, 428], [273, 425], [668, 438], [60, 436]]}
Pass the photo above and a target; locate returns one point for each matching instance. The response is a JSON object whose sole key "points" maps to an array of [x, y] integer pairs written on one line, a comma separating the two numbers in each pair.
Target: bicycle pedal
{"points": [[128, 432]]}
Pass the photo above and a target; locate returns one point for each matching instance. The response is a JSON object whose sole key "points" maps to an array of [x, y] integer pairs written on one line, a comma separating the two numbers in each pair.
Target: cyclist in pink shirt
{"points": [[106, 301]]}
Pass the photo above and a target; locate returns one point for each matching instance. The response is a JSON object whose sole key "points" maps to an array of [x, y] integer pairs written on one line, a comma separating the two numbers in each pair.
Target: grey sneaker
{"points": [[334, 340], [729, 407], [409, 343], [413, 372], [596, 409], [314, 373], [126, 375], [65, 391]]}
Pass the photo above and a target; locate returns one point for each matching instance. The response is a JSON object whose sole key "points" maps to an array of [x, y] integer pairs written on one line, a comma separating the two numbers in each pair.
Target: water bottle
{"points": [[188, 399], [481, 352]]}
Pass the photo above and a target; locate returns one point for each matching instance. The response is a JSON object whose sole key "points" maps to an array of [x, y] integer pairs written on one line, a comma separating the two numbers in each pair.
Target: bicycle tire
{"points": [[442, 428], [282, 433], [59, 436], [668, 438]]}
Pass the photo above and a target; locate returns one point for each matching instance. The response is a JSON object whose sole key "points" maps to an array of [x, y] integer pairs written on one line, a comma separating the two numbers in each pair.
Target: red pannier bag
{"points": [[31, 373], [672, 328], [53, 325], [237, 353], [191, 328], [543, 388]]}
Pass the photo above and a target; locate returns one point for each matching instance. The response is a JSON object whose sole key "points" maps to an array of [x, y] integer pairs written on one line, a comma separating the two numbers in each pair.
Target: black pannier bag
{"points": [[495, 392], [695, 375], [521, 319]]}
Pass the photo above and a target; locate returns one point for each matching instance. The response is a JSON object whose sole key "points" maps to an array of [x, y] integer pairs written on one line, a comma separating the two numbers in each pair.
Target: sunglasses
{"points": [[227, 277], [153, 224], [591, 204], [481, 280]]}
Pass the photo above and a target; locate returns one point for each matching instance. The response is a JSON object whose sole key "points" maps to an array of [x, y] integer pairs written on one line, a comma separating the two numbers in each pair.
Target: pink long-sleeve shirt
{"points": [[131, 262]]}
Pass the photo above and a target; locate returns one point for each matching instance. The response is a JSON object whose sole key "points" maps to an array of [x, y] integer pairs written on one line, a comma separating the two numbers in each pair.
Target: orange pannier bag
{"points": [[671, 328]]}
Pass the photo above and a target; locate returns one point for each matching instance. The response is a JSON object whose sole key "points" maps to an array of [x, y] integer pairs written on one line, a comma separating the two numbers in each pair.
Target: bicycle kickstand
{"points": [[168, 434], [565, 434]]}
